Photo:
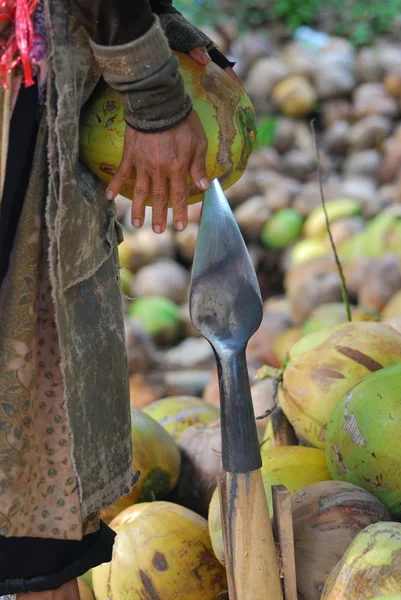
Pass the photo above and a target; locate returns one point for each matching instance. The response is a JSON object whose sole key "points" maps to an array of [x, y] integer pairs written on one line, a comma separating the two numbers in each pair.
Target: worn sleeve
{"points": [[147, 76]]}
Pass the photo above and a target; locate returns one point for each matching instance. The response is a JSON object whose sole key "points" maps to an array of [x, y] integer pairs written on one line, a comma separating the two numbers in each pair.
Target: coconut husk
{"points": [[142, 394], [310, 284], [261, 344], [200, 447], [327, 516], [383, 282]]}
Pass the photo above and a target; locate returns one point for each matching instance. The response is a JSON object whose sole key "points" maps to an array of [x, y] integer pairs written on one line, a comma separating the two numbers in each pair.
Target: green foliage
{"points": [[266, 133], [358, 20]]}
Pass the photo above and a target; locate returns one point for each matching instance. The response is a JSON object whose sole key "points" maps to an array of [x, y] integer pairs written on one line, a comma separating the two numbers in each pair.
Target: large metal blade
{"points": [[226, 308]]}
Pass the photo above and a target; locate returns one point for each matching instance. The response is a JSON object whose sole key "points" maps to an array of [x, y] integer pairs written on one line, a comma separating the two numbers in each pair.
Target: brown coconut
{"points": [[142, 247], [356, 272], [372, 99], [383, 282], [327, 516], [251, 215], [141, 393], [264, 400], [336, 138], [336, 110], [141, 351], [370, 132], [392, 83], [299, 164], [200, 447], [263, 394], [165, 277], [281, 193], [284, 134], [295, 96], [264, 159], [261, 343], [310, 284]]}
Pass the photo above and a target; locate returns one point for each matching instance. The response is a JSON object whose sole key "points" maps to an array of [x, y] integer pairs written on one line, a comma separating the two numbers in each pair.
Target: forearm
{"points": [[133, 51]]}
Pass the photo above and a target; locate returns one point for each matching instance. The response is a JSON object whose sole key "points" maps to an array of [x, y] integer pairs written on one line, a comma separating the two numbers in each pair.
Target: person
{"points": [[65, 440]]}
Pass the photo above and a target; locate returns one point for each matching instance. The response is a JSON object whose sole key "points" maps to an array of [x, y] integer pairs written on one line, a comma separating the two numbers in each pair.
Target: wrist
{"points": [[164, 124]]}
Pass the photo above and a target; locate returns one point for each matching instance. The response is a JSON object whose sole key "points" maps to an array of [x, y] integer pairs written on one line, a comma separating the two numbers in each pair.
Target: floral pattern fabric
{"points": [[65, 443], [38, 486]]}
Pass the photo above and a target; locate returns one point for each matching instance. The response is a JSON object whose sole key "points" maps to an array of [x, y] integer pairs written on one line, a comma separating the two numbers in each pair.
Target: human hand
{"points": [[202, 57], [162, 161]]}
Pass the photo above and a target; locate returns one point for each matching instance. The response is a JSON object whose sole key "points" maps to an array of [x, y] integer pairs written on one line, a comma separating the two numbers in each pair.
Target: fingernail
{"points": [[205, 56], [204, 183], [110, 195], [157, 229], [137, 223], [179, 225]]}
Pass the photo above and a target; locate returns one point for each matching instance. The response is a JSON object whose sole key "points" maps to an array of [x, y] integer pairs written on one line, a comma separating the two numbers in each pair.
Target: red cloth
{"points": [[17, 48]]}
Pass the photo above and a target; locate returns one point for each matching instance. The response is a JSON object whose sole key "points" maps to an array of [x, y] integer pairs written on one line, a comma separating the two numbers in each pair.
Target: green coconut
{"points": [[309, 248], [223, 107], [126, 279], [158, 316], [283, 228], [382, 235], [157, 457], [370, 567], [315, 380], [87, 578], [363, 435], [309, 341], [333, 313]]}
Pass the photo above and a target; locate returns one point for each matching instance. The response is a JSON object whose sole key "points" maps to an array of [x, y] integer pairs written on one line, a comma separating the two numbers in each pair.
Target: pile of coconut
{"points": [[354, 97], [325, 375]]}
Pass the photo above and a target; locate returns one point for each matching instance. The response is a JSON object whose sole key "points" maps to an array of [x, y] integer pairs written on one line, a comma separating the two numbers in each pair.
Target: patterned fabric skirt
{"points": [[38, 486]]}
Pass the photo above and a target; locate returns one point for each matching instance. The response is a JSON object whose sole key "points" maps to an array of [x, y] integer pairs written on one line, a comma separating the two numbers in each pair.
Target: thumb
{"points": [[119, 180], [200, 55]]}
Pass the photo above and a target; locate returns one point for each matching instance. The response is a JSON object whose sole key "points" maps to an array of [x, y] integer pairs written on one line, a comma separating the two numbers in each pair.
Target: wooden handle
{"points": [[250, 550], [284, 534]]}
